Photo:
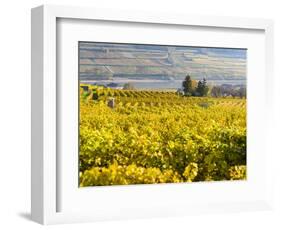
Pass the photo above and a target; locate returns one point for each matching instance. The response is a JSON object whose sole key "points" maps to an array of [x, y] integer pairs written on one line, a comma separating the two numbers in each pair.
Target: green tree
{"points": [[202, 88], [187, 86]]}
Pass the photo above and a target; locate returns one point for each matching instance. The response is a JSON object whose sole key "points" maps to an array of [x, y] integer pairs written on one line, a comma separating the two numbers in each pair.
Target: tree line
{"points": [[193, 88], [201, 89]]}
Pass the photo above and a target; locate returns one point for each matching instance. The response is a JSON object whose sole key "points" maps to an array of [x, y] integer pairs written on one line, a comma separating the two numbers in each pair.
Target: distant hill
{"points": [[105, 61]]}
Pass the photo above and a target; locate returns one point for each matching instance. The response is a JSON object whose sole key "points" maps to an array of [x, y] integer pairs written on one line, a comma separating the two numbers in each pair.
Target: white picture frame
{"points": [[46, 166]]}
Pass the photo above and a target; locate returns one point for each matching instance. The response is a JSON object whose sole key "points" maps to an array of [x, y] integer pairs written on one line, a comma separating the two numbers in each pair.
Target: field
{"points": [[147, 137]]}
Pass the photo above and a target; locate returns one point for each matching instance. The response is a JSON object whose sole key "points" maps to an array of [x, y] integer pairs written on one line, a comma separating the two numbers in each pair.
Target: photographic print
{"points": [[152, 114]]}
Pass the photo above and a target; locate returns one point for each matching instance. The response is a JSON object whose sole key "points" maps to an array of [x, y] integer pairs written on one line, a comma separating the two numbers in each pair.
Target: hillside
{"points": [[105, 61]]}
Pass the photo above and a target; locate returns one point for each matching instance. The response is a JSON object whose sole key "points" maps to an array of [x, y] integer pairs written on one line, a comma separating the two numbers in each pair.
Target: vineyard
{"points": [[148, 137]]}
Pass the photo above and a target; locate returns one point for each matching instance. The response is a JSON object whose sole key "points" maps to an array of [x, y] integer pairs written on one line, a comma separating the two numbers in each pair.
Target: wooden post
{"points": [[111, 103]]}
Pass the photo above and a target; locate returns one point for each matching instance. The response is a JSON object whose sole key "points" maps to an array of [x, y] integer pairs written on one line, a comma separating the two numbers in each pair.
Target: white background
{"points": [[15, 113], [111, 199]]}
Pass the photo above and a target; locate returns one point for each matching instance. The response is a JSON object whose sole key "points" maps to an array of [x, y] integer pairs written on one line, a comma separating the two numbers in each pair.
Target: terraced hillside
{"points": [[128, 62]]}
